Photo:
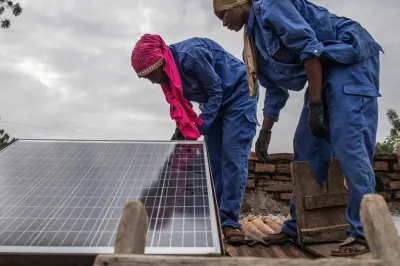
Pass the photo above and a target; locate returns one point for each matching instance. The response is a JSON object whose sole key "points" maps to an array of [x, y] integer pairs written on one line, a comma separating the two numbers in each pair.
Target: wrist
{"points": [[268, 123], [315, 100], [315, 103]]}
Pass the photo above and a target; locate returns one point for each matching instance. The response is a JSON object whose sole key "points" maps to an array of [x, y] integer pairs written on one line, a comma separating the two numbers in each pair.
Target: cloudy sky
{"points": [[65, 65]]}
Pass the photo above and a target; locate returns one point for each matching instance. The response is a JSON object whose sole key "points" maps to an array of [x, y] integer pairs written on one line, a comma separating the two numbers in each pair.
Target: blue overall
{"points": [[217, 81], [286, 32]]}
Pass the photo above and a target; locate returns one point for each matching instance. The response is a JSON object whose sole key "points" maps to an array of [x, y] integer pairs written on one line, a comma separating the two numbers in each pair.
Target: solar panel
{"points": [[67, 196]]}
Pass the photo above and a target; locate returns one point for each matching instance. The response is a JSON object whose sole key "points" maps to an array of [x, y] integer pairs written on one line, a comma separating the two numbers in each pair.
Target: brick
{"points": [[264, 177], [385, 157], [387, 196], [260, 180], [285, 196], [281, 157], [253, 156], [282, 178], [283, 168], [381, 166], [265, 168], [250, 184], [251, 176], [250, 166], [276, 186], [395, 176], [395, 185], [397, 195]]}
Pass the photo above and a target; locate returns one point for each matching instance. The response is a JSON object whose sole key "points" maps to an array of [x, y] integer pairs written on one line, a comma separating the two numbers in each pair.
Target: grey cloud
{"points": [[87, 46]]}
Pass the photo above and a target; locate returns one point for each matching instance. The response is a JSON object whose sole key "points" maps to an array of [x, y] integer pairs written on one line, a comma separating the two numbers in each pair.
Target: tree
{"points": [[5, 139], [14, 7], [389, 144]]}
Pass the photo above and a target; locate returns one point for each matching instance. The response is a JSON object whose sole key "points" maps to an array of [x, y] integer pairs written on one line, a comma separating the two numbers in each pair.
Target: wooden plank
{"points": [[142, 260], [302, 174], [326, 201], [132, 229], [324, 250], [321, 234], [379, 228], [310, 198]]}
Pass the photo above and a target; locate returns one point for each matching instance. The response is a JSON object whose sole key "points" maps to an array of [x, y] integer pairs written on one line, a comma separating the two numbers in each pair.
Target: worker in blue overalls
{"points": [[289, 43], [204, 72]]}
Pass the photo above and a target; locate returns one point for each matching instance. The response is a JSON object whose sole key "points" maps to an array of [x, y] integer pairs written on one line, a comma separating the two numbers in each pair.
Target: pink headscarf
{"points": [[150, 53]]}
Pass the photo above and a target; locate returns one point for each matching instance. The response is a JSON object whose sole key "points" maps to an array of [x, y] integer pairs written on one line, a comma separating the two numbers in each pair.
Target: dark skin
{"points": [[235, 19], [158, 76]]}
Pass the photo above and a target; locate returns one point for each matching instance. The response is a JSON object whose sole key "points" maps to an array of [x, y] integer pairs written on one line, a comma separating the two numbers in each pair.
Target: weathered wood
{"points": [[310, 197], [326, 201], [324, 250], [141, 260], [379, 228], [320, 234], [132, 229]]}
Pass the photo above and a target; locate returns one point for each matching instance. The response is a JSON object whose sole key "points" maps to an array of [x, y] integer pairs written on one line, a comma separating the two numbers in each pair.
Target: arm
{"points": [[275, 99], [297, 35], [314, 76], [201, 67]]}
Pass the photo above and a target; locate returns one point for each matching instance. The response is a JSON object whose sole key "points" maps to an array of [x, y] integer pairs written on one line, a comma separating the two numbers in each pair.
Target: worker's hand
{"points": [[178, 135], [262, 145], [316, 120]]}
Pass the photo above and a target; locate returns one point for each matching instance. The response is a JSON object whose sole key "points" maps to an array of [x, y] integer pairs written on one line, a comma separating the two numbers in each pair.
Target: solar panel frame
{"points": [[216, 249]]}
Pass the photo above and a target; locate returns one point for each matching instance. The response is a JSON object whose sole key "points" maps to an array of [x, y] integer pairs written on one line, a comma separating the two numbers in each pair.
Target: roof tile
{"points": [[257, 227]]}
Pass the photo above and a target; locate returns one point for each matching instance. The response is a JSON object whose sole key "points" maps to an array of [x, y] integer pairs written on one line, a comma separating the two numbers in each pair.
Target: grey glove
{"points": [[262, 144], [316, 120], [177, 135]]}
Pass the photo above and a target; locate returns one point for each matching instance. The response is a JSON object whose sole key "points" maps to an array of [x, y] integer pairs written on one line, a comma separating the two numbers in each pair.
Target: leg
{"points": [[352, 99], [214, 146], [318, 153], [239, 129]]}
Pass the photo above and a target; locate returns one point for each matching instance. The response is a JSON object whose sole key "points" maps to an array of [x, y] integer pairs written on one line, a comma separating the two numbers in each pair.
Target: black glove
{"points": [[178, 135], [316, 120], [262, 144]]}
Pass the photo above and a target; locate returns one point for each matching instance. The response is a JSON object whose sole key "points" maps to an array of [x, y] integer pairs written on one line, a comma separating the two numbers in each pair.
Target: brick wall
{"points": [[269, 186]]}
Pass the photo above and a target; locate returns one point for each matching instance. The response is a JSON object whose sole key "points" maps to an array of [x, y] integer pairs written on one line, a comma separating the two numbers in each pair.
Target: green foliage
{"points": [[5, 139], [388, 145], [15, 8]]}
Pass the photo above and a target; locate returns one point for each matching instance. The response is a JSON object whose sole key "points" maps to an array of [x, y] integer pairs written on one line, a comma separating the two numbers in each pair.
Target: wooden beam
{"points": [[132, 229], [326, 201], [379, 228], [312, 200], [320, 234], [144, 260]]}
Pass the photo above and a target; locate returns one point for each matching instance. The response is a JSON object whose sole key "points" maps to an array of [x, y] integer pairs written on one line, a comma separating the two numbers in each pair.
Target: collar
{"points": [[250, 22]]}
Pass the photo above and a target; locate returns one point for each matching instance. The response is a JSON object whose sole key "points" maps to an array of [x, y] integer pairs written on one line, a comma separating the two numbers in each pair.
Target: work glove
{"points": [[316, 120], [177, 135], [262, 144]]}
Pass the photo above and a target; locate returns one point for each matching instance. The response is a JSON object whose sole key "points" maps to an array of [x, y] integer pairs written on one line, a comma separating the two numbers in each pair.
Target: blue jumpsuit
{"points": [[217, 81], [286, 32]]}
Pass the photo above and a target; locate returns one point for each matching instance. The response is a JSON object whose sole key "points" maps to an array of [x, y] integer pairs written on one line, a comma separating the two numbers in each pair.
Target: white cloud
{"points": [[66, 65]]}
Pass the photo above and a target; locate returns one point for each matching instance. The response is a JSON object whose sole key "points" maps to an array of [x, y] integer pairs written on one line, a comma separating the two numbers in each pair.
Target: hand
{"points": [[177, 135], [316, 120], [202, 129], [262, 145]]}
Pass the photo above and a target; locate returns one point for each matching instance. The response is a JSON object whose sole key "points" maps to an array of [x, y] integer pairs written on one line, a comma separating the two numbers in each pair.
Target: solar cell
{"points": [[67, 196]]}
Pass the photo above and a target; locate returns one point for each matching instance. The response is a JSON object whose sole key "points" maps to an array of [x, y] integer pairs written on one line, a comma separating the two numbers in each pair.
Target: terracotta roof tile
{"points": [[257, 227]]}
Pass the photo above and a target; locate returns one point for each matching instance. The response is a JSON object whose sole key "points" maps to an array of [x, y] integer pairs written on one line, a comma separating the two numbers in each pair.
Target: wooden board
{"points": [[320, 209], [141, 260], [324, 200], [324, 250]]}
